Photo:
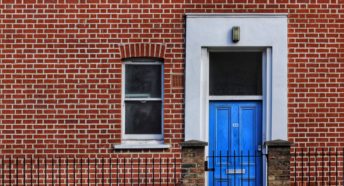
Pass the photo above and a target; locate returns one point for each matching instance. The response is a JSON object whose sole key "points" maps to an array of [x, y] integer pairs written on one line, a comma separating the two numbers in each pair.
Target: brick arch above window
{"points": [[149, 50]]}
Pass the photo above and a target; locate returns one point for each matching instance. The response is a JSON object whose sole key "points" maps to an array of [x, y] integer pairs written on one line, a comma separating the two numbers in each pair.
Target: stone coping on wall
{"points": [[278, 143], [194, 143]]}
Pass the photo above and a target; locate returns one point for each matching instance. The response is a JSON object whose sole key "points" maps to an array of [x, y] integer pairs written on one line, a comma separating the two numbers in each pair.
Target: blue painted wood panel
{"points": [[234, 138]]}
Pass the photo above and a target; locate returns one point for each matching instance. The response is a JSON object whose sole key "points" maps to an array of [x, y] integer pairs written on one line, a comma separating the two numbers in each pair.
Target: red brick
{"points": [[61, 67]]}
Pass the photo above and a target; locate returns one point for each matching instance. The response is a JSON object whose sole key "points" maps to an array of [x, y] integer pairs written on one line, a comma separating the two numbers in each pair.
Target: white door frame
{"points": [[266, 85], [266, 32]]}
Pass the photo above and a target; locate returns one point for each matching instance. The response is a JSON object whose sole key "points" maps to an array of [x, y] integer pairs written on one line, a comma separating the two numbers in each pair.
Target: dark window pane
{"points": [[143, 81], [235, 73], [143, 117]]}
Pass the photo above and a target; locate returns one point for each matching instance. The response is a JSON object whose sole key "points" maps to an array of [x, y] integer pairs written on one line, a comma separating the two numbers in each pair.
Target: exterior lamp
{"points": [[235, 34]]}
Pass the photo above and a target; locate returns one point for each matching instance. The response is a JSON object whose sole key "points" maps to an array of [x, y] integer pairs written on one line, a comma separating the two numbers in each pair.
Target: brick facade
{"points": [[193, 158], [278, 161], [60, 71]]}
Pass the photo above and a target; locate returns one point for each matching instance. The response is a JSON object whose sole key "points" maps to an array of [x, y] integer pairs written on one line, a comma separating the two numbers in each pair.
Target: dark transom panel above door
{"points": [[235, 73]]}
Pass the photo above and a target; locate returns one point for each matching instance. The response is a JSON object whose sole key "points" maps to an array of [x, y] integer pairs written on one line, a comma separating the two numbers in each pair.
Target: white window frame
{"points": [[127, 138]]}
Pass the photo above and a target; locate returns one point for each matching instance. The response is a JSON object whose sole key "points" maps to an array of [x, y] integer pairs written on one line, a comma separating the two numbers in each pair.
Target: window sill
{"points": [[141, 146]]}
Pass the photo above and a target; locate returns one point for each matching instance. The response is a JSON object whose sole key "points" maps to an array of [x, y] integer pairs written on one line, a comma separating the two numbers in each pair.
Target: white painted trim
{"points": [[141, 138], [267, 96], [214, 98], [203, 31], [212, 32], [205, 83], [236, 15], [266, 75], [236, 49], [142, 146]]}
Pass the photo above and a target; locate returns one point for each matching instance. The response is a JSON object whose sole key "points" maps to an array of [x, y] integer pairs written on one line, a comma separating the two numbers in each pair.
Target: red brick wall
{"points": [[60, 70], [60, 78]]}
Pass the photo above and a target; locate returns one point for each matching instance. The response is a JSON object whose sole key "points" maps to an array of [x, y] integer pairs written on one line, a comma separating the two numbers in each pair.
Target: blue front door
{"points": [[235, 143]]}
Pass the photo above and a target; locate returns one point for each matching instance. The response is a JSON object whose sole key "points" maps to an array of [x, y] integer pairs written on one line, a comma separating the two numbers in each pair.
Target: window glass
{"points": [[235, 73], [143, 117], [143, 81], [143, 100]]}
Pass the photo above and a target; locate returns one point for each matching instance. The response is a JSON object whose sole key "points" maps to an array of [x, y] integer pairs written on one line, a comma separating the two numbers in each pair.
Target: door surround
{"points": [[267, 33], [265, 102], [266, 85]]}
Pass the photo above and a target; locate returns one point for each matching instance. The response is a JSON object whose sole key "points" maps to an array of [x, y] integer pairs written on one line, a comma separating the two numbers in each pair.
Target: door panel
{"points": [[235, 134]]}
